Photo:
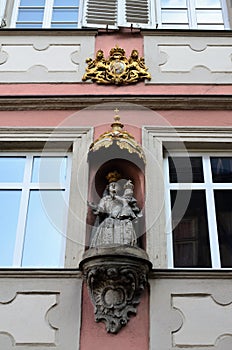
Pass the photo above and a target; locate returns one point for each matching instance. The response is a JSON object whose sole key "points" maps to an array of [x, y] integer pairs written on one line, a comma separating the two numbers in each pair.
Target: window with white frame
{"points": [[34, 190], [199, 202], [46, 14], [192, 14], [161, 14]]}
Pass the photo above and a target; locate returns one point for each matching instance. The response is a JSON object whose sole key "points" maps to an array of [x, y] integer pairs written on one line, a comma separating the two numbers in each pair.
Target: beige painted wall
{"points": [[40, 310], [191, 309]]}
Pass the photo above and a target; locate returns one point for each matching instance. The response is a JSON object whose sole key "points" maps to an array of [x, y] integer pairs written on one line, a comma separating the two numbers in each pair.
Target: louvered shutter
{"points": [[100, 13], [138, 13]]}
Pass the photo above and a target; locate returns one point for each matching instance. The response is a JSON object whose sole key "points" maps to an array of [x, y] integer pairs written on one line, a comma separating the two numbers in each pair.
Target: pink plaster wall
{"points": [[135, 336], [94, 89], [132, 119]]}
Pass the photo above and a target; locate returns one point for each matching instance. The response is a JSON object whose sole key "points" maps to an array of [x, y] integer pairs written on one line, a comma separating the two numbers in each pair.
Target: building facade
{"points": [[176, 103]]}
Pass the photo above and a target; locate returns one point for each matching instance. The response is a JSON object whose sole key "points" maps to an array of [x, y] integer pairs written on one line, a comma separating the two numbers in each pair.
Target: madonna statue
{"points": [[115, 215]]}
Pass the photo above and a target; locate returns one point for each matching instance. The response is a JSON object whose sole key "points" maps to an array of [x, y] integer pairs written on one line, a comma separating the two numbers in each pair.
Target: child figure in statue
{"points": [[116, 214]]}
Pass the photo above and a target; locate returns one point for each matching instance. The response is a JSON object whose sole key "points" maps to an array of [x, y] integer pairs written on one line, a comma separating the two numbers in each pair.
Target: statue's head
{"points": [[113, 188]]}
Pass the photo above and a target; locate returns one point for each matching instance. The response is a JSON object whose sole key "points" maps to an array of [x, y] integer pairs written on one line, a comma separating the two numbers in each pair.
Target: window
{"points": [[34, 192], [161, 14], [166, 14], [46, 14], [199, 201], [195, 14]]}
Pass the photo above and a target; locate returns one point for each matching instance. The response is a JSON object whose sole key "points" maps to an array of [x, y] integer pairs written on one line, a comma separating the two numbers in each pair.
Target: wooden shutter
{"points": [[100, 13], [138, 13]]}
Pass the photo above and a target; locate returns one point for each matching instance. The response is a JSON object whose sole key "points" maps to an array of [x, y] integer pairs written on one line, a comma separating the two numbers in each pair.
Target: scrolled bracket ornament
{"points": [[116, 278]]}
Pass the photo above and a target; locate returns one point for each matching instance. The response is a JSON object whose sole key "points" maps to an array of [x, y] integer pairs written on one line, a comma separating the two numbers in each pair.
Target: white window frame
{"points": [[47, 18], [192, 15], [25, 187], [59, 139], [158, 219], [208, 186]]}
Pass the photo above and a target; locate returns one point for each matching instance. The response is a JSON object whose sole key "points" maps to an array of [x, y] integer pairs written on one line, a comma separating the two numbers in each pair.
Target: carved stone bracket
{"points": [[115, 277]]}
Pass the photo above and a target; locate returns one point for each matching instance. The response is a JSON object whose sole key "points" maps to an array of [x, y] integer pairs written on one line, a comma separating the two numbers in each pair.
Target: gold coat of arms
{"points": [[117, 69]]}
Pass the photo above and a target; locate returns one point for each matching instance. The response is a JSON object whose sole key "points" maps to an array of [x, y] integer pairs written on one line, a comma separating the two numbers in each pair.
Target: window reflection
{"points": [[66, 3], [203, 14], [208, 3], [12, 169], [9, 213], [173, 3], [60, 15], [45, 229], [49, 169], [183, 169], [32, 3], [223, 204], [172, 16], [221, 169], [190, 231], [209, 16]]}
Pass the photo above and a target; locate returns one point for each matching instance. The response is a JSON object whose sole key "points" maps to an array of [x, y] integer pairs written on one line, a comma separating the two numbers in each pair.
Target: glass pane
{"points": [[211, 26], [29, 15], [208, 3], [183, 169], [64, 25], [49, 169], [223, 204], [209, 16], [66, 3], [173, 3], [30, 3], [180, 16], [12, 169], [9, 204], [45, 229], [29, 25], [221, 169], [190, 229], [61, 15], [175, 26]]}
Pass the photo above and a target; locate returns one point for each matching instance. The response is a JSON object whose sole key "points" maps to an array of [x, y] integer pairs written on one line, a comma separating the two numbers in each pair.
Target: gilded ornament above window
{"points": [[117, 69]]}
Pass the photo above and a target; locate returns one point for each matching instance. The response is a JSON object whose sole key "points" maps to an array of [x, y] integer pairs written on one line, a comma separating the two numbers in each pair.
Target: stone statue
{"points": [[115, 215]]}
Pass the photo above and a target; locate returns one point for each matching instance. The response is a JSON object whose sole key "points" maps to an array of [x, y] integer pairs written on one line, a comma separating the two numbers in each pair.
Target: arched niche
{"points": [[130, 167]]}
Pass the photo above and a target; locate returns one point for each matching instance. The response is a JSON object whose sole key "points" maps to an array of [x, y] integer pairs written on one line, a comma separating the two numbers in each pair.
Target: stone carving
{"points": [[116, 213], [117, 69], [115, 285]]}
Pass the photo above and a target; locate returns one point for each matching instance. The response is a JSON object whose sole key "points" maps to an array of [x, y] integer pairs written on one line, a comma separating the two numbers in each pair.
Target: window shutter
{"points": [[138, 13], [100, 13]]}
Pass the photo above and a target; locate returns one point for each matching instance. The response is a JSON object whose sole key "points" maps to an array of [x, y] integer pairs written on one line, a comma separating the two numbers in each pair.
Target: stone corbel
{"points": [[116, 278]]}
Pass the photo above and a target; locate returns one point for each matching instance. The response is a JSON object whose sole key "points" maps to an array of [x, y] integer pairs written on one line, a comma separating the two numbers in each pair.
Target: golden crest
{"points": [[117, 69]]}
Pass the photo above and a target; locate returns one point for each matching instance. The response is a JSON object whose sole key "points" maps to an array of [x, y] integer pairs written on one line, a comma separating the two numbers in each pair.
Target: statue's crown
{"points": [[113, 176], [117, 49]]}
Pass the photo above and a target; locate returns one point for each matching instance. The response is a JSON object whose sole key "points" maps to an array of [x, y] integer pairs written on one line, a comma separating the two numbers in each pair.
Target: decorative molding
{"points": [[163, 102], [16, 314], [116, 278]]}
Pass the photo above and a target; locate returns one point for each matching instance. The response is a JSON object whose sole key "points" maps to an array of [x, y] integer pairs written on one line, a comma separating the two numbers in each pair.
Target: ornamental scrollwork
{"points": [[115, 291], [117, 69]]}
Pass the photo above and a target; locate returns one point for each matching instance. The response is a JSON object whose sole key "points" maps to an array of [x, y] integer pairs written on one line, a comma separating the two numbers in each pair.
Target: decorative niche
{"points": [[115, 265]]}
